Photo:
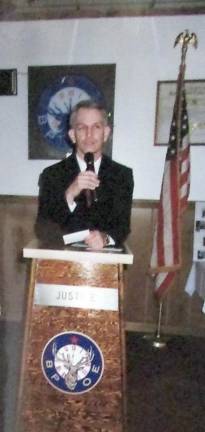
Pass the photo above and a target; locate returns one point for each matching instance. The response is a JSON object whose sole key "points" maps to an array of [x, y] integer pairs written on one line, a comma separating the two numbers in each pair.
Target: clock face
{"points": [[72, 362], [55, 105]]}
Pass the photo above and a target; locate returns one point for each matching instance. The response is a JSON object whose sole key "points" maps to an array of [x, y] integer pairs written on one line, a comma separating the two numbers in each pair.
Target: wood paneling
{"points": [[181, 314], [17, 217]]}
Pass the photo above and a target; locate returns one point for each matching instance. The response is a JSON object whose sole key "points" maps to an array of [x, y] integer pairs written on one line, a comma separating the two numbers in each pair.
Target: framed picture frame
{"points": [[8, 82], [52, 93], [165, 98]]}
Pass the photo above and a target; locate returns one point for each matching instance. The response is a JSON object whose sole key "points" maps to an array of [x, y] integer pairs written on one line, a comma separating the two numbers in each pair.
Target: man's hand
{"points": [[96, 240], [84, 180]]}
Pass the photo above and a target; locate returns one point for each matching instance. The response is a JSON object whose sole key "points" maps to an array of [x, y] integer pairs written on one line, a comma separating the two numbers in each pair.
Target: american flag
{"points": [[166, 251]]}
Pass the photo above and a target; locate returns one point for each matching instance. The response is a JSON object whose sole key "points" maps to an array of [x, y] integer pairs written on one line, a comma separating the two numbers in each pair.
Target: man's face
{"points": [[89, 132]]}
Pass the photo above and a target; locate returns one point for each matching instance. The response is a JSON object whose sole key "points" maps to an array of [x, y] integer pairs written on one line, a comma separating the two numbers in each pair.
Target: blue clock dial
{"points": [[56, 103]]}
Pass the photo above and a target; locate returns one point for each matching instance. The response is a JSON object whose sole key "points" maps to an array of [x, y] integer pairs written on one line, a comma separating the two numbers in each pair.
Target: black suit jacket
{"points": [[110, 214]]}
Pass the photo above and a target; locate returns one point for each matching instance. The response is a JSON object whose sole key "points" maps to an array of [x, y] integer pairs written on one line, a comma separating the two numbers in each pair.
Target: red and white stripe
{"points": [[166, 252]]}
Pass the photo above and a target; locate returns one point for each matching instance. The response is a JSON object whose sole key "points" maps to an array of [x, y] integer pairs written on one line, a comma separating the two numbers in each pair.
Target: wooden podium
{"points": [[73, 363]]}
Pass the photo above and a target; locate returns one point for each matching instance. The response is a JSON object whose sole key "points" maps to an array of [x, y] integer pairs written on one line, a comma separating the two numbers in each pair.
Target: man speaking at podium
{"points": [[86, 190]]}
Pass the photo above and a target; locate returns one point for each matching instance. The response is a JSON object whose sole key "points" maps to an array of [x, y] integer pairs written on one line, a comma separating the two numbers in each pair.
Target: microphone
{"points": [[91, 195]]}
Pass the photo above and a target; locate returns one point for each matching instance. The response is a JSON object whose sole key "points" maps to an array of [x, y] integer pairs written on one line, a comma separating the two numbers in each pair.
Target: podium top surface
{"points": [[111, 255]]}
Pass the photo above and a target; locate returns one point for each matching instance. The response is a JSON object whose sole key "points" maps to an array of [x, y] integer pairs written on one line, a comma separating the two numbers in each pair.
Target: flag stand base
{"points": [[158, 341]]}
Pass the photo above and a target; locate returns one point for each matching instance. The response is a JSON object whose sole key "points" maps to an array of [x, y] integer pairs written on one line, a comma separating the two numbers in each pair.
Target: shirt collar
{"points": [[82, 164]]}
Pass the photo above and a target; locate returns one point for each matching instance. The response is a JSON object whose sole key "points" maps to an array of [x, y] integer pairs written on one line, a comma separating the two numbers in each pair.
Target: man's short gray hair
{"points": [[88, 104]]}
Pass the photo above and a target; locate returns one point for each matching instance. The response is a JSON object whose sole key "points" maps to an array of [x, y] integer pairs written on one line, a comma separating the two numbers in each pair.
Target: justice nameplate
{"points": [[83, 296]]}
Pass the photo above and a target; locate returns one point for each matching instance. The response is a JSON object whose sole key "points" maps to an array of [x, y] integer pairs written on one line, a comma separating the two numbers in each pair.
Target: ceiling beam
{"points": [[12, 10]]}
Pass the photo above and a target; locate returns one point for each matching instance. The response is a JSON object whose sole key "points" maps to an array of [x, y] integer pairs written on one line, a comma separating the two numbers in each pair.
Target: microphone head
{"points": [[90, 194], [89, 157]]}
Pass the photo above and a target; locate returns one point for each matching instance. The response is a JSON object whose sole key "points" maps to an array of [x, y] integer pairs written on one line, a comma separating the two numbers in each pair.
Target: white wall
{"points": [[142, 48]]}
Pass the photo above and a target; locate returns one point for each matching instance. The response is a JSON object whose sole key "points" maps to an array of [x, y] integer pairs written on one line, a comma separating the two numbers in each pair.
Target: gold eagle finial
{"points": [[185, 38]]}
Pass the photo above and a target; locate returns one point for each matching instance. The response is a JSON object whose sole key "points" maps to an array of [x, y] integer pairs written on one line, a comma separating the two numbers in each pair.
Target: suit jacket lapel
{"points": [[71, 167], [104, 166]]}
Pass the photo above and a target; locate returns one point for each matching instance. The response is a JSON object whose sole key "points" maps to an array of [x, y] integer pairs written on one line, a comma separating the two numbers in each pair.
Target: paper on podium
{"points": [[77, 236]]}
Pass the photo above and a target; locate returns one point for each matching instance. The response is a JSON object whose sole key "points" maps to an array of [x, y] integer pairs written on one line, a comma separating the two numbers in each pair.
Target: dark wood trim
{"points": [[166, 331], [18, 198], [140, 203], [136, 203], [31, 12]]}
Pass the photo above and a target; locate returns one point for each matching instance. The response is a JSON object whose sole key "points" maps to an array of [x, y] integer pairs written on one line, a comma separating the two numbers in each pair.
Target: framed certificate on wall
{"points": [[165, 98]]}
